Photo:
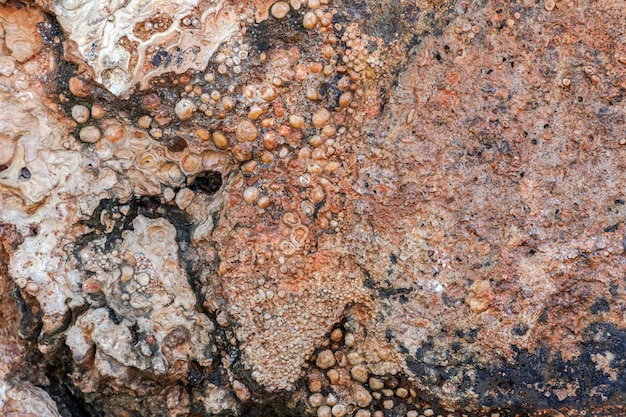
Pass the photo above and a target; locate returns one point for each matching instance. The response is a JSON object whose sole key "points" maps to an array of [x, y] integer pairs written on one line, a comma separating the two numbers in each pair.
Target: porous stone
{"points": [[431, 220]]}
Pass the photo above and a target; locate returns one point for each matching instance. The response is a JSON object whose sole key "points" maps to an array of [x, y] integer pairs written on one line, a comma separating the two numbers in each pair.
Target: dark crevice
{"points": [[30, 319], [208, 182]]}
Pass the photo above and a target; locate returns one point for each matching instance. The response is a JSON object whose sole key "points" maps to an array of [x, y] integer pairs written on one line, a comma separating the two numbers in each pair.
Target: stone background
{"points": [[370, 208]]}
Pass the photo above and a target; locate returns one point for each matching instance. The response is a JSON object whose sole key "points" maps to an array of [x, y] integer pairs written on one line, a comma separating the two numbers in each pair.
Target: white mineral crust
{"points": [[110, 37]]}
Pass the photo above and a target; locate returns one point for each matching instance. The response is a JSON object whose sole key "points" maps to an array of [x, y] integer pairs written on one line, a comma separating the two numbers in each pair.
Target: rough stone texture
{"points": [[370, 208], [123, 43]]}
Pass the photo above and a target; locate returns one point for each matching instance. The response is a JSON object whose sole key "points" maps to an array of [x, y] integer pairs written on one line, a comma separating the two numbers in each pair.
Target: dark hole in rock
{"points": [[207, 182], [25, 173]]}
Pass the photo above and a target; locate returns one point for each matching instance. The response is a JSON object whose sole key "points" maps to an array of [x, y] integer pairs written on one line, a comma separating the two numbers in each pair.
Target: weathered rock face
{"points": [[393, 208], [124, 43]]}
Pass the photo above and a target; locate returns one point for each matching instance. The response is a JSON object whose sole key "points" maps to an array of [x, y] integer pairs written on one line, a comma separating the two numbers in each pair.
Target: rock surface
{"points": [[370, 208]]}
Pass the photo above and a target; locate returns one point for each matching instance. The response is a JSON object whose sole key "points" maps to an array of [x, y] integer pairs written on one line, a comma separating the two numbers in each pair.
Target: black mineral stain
{"points": [[600, 305], [30, 322], [274, 32], [162, 58], [535, 380], [531, 381], [69, 399]]}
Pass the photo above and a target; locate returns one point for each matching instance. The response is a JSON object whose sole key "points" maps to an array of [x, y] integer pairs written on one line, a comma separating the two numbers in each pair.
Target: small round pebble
{"points": [[185, 109], [80, 113], [250, 195], [320, 118], [90, 134], [359, 373], [97, 111], [325, 359], [280, 9], [339, 410], [324, 411], [316, 400], [246, 131], [220, 140], [309, 20]]}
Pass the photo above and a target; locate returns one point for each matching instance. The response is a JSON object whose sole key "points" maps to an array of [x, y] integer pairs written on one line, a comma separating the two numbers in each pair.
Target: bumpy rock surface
{"points": [[326, 208]]}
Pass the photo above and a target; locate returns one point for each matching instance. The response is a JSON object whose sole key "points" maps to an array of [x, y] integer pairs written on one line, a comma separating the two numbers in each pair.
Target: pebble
{"points": [[114, 132], [90, 286], [333, 376], [345, 99], [80, 113], [269, 140], [339, 410], [359, 373], [203, 134], [309, 20], [376, 384], [325, 359], [90, 134], [402, 392], [324, 411], [184, 198], [315, 385], [339, 356], [143, 279], [320, 118], [280, 9], [255, 112], [354, 358], [312, 94], [250, 195], [242, 152], [412, 413], [220, 140], [32, 288], [316, 400], [241, 391], [79, 88], [185, 109], [7, 65], [429, 412], [268, 93], [361, 396], [228, 103], [148, 161], [246, 131], [97, 111], [191, 163], [296, 121], [264, 202], [144, 122], [151, 101], [336, 335], [363, 413], [317, 194]]}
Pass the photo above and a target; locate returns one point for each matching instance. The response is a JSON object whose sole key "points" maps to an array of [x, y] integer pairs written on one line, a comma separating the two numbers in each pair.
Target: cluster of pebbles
{"points": [[258, 124]]}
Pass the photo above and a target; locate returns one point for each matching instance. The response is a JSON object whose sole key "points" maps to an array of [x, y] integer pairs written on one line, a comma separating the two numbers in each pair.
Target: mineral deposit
{"points": [[332, 208]]}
